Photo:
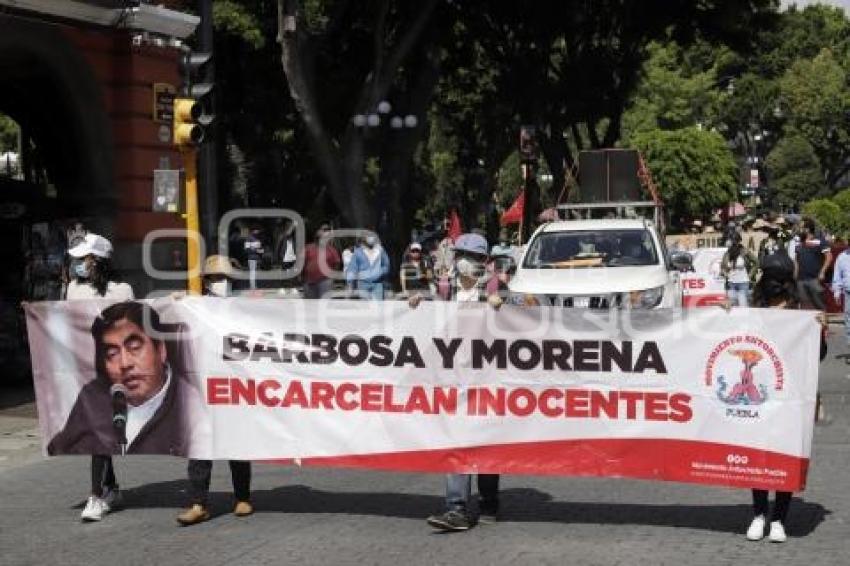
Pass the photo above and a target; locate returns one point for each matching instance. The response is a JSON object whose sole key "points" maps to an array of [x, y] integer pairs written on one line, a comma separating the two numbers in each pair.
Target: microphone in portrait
{"points": [[119, 412]]}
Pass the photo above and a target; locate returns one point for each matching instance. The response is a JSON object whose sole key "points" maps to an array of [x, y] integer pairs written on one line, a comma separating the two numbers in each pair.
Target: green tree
{"points": [[693, 168], [8, 134], [828, 214], [842, 199], [673, 94], [794, 172], [816, 95]]}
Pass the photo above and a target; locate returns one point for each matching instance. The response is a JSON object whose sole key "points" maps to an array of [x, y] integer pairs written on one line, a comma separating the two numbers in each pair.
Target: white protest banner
{"points": [[705, 286], [750, 240], [701, 395]]}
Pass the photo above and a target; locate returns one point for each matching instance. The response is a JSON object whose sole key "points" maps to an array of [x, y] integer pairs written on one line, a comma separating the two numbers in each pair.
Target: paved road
{"points": [[331, 516]]}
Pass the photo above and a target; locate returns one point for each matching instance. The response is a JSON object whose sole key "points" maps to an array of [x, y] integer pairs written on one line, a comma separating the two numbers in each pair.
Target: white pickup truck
{"points": [[598, 264]]}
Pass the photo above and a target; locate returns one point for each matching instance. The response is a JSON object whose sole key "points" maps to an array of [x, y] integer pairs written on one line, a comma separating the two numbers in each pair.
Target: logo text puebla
{"points": [[745, 367]]}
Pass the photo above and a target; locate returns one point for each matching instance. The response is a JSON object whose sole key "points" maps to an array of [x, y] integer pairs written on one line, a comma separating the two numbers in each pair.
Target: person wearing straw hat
{"points": [[217, 274]]}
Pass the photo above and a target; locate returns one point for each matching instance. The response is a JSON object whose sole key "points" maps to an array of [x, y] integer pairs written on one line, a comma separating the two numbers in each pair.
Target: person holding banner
{"points": [[91, 278], [471, 283], [778, 294], [218, 270]]}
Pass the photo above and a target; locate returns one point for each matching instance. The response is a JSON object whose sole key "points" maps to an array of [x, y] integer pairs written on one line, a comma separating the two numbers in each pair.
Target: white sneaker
{"points": [[113, 499], [777, 532], [756, 530], [95, 509]]}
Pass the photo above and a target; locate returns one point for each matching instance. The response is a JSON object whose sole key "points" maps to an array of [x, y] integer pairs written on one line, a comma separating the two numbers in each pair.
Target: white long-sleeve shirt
{"points": [[841, 272]]}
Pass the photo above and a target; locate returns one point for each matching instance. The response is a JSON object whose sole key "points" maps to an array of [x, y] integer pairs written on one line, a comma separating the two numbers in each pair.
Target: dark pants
{"points": [[200, 472], [810, 293], [318, 290], [488, 490], [459, 488], [102, 474], [780, 506]]}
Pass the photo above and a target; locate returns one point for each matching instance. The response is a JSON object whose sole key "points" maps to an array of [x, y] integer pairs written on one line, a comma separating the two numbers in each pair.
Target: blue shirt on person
{"points": [[360, 269]]}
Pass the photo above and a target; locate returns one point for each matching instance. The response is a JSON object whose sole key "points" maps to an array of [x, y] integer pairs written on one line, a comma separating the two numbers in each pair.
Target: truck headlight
{"points": [[646, 299]]}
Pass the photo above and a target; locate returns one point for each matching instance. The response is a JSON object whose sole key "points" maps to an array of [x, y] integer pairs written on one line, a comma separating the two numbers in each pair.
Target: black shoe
{"points": [[450, 521], [488, 512]]}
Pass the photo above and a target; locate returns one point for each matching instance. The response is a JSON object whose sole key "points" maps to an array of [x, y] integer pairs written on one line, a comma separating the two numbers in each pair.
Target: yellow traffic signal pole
{"points": [[193, 235], [187, 134]]}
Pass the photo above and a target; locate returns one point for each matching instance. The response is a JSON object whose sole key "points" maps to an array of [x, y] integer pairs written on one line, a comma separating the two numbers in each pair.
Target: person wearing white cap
{"points": [[91, 278], [91, 272], [417, 273]]}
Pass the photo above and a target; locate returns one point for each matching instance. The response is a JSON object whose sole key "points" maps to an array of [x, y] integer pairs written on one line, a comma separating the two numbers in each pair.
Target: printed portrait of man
{"points": [[131, 356]]}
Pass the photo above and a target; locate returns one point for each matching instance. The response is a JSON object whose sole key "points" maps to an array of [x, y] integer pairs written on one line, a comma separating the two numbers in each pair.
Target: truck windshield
{"points": [[610, 248]]}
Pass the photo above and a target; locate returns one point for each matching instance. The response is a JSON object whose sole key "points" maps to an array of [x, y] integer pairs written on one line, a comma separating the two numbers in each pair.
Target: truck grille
{"points": [[580, 301]]}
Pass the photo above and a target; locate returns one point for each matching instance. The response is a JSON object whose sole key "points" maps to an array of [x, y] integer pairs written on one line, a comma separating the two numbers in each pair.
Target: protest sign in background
{"points": [[704, 286], [750, 240], [700, 396]]}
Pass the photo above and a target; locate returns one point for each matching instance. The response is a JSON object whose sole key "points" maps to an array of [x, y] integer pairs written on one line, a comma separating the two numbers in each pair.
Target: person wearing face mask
{"points": [[503, 248], [470, 282], [416, 274], [90, 277], [217, 276], [218, 270], [368, 269]]}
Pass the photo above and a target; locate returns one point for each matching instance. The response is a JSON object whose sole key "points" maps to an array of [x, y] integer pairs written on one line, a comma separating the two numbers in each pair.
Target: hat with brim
{"points": [[92, 244], [218, 265], [471, 243]]}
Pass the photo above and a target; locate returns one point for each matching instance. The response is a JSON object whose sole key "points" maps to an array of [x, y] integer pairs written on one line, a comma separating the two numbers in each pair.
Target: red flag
{"points": [[455, 229], [513, 215]]}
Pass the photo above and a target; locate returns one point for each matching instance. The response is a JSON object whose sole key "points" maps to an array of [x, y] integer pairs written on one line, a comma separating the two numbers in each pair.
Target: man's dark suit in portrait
{"points": [[135, 362]]}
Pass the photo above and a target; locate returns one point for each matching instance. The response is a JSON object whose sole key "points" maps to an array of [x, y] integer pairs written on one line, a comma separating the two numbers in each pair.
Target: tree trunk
{"points": [[343, 167]]}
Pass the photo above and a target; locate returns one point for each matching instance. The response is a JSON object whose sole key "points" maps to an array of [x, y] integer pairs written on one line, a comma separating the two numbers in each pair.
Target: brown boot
{"points": [[243, 509], [193, 515]]}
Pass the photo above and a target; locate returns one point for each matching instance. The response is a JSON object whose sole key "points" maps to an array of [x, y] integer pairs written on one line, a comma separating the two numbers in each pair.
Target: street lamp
{"points": [[375, 119]]}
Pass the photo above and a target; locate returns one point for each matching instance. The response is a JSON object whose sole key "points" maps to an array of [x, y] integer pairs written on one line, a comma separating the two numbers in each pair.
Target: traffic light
{"points": [[193, 112], [188, 131]]}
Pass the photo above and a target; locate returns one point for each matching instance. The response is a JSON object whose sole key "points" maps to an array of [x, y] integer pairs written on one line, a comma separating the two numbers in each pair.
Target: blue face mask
{"points": [[81, 270]]}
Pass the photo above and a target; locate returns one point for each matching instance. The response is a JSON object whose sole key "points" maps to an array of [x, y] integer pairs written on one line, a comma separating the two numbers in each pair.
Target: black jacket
{"points": [[89, 427]]}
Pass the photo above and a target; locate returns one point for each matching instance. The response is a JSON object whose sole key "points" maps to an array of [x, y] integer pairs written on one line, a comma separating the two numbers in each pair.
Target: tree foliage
{"points": [[676, 91], [815, 90], [293, 74], [8, 134], [693, 168], [828, 214], [795, 172]]}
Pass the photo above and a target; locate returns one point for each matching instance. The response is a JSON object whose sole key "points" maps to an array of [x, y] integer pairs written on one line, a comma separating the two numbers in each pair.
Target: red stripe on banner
{"points": [[654, 459], [691, 301]]}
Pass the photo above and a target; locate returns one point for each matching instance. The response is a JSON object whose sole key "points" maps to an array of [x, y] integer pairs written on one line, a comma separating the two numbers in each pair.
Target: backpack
{"points": [[777, 266]]}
